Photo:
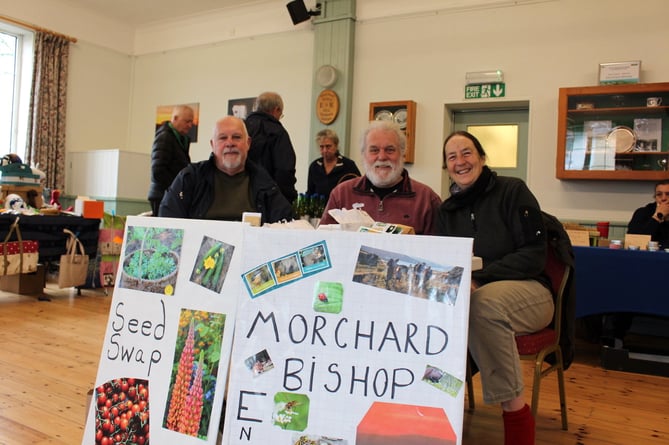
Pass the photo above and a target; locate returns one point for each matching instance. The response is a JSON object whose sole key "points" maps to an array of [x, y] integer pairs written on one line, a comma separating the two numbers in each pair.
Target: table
{"points": [[616, 280], [610, 281], [48, 231]]}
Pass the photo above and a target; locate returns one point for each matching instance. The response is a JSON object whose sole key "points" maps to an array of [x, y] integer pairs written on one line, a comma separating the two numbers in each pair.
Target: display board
{"points": [[165, 355], [339, 337], [349, 338]]}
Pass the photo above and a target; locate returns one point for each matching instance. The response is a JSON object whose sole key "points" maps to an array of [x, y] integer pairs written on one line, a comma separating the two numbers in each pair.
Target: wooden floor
{"points": [[50, 350]]}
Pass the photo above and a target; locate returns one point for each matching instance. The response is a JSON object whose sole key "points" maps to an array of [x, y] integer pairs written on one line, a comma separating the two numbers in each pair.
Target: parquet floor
{"points": [[49, 352]]}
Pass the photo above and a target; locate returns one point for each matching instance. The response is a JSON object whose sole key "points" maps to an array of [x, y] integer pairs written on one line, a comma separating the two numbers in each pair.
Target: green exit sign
{"points": [[485, 90]]}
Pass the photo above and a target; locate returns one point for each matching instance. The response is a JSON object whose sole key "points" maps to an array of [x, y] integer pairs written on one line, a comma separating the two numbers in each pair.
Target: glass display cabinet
{"points": [[614, 132], [402, 113]]}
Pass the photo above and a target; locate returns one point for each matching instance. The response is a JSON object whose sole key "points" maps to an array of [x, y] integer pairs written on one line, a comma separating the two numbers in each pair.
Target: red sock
{"points": [[519, 427]]}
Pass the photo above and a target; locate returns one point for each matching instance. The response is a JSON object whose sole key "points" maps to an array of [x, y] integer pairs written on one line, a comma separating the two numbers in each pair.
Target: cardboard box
{"points": [[381, 227], [22, 191], [89, 208], [25, 283]]}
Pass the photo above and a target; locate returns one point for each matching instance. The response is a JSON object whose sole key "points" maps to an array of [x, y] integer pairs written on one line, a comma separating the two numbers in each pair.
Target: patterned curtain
{"points": [[46, 121]]}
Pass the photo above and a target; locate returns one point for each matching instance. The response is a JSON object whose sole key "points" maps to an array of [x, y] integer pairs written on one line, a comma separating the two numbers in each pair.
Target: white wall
{"points": [[540, 47], [98, 98], [421, 55], [213, 74]]}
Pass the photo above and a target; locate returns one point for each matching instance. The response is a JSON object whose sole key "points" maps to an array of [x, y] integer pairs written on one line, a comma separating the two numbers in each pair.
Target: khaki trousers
{"points": [[498, 311]]}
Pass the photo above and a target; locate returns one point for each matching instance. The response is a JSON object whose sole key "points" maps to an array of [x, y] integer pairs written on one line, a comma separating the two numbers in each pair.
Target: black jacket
{"points": [[192, 193], [505, 220], [642, 223], [168, 157], [272, 149], [321, 183]]}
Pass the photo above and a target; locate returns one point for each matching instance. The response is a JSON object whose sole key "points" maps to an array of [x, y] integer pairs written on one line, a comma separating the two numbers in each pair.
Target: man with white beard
{"points": [[387, 193], [227, 184]]}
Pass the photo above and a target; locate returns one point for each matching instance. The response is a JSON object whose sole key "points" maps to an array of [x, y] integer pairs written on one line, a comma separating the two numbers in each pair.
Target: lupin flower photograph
{"points": [[193, 381]]}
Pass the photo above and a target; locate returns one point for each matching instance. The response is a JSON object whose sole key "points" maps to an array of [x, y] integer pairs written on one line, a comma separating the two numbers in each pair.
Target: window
{"points": [[15, 82], [500, 142]]}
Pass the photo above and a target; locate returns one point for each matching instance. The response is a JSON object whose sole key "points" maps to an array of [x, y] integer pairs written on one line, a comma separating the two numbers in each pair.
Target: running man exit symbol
{"points": [[485, 91]]}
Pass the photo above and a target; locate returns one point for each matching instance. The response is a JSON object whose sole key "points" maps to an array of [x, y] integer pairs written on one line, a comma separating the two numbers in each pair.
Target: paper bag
{"points": [[73, 264], [110, 241], [18, 256]]}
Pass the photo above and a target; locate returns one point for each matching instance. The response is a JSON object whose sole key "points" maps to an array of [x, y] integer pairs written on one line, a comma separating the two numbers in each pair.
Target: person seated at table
{"points": [[386, 191], [227, 184], [510, 295], [653, 218], [331, 168]]}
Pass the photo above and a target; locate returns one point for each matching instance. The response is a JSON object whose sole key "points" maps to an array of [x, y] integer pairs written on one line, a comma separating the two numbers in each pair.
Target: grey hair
{"points": [[384, 126], [329, 134], [267, 102]]}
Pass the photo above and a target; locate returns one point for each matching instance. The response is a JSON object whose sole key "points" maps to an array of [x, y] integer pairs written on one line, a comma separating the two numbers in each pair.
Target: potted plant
{"points": [[151, 262]]}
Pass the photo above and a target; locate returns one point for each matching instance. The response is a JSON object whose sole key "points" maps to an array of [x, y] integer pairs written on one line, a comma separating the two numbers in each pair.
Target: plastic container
{"points": [[615, 244]]}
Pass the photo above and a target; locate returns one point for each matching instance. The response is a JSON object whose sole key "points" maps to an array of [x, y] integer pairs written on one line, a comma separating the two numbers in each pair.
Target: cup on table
{"points": [[653, 101], [603, 229]]}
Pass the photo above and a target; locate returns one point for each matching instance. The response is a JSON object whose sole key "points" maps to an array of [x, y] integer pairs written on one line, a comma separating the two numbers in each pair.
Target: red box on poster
{"points": [[398, 424]]}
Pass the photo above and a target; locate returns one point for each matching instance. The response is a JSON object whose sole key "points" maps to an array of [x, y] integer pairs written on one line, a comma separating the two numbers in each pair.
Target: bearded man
{"points": [[227, 184], [386, 191]]}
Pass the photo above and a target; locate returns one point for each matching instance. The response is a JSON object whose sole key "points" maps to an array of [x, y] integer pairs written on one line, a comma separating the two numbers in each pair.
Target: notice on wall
{"points": [[165, 356], [349, 338]]}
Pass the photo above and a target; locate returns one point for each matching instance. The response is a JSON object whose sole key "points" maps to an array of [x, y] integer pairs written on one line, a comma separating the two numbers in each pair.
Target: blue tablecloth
{"points": [[611, 280]]}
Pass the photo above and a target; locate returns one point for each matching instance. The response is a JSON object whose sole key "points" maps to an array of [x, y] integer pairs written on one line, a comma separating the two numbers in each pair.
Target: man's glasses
{"points": [[661, 194]]}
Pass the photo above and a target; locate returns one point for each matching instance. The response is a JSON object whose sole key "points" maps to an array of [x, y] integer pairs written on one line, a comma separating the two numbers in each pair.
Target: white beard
{"points": [[387, 179]]}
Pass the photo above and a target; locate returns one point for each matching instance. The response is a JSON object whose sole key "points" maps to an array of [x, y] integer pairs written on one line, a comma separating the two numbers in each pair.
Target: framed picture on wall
{"points": [[241, 107], [403, 113], [164, 113]]}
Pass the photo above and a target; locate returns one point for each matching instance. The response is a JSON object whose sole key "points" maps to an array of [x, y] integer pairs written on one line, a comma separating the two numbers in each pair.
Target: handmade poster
{"points": [[164, 361], [349, 338]]}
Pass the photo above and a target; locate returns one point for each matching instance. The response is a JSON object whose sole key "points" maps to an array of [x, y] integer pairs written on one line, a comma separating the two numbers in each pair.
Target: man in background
{"points": [[387, 192], [170, 153], [227, 184], [270, 143], [653, 218]]}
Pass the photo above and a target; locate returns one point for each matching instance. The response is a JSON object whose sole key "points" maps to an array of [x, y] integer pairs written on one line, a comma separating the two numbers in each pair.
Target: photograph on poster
{"points": [[259, 363], [212, 263], [314, 258], [122, 405], [259, 280], [151, 261], [291, 411], [286, 269], [328, 297], [407, 275], [310, 439], [193, 382], [442, 380]]}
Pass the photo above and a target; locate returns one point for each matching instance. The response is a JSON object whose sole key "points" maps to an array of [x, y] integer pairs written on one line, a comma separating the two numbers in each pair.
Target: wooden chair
{"points": [[538, 345]]}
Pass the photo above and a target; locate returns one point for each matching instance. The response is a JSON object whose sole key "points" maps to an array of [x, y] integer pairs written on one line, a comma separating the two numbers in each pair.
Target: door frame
{"points": [[480, 106]]}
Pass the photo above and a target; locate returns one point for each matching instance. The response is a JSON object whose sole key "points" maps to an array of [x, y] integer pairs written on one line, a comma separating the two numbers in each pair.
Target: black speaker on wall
{"points": [[299, 13]]}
